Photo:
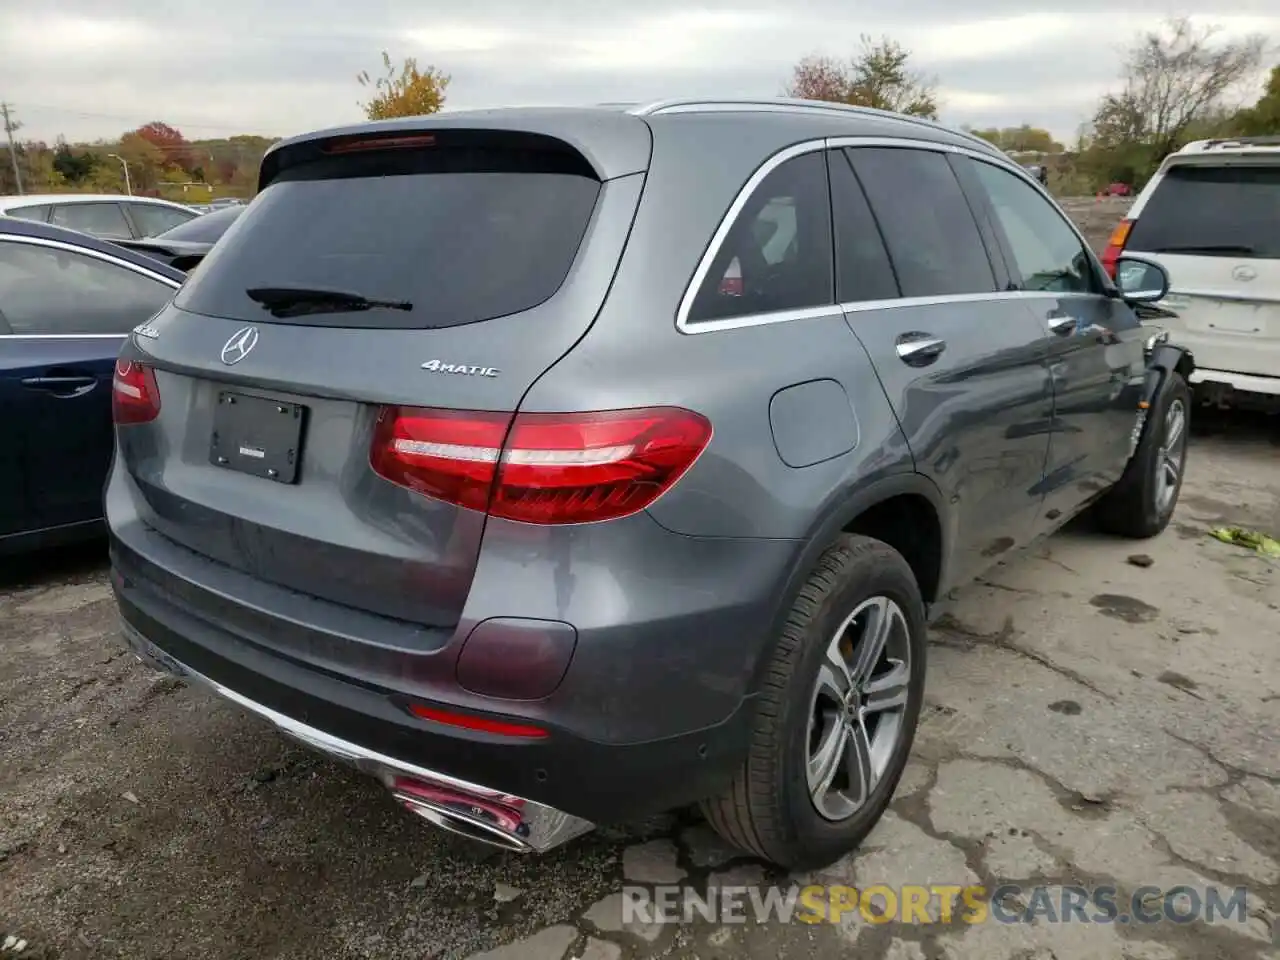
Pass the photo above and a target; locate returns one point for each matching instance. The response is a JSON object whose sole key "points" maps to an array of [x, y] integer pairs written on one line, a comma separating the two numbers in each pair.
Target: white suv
{"points": [[1211, 217]]}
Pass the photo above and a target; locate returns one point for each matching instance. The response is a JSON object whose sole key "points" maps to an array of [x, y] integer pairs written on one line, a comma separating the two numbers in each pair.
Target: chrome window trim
{"points": [[64, 336], [685, 326], [717, 241], [93, 254], [859, 306], [88, 252]]}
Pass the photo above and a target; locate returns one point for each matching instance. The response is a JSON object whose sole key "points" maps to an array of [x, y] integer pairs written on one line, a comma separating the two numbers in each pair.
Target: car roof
{"points": [[1229, 147], [35, 199], [16, 226], [615, 138]]}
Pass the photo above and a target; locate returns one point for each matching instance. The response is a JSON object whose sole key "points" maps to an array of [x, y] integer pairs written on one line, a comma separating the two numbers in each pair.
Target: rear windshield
{"points": [[1229, 211], [456, 245]]}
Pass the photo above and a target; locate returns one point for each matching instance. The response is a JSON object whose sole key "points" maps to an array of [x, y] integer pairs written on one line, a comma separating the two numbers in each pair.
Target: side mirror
{"points": [[1140, 280]]}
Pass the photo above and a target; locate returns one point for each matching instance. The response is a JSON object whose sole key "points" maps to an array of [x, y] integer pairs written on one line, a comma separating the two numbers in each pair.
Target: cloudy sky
{"points": [[92, 68]]}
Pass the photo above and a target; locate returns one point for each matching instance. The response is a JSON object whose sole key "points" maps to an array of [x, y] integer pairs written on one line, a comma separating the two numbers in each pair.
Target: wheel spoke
{"points": [[857, 758], [825, 761], [882, 615], [1173, 431], [888, 692], [1171, 472], [834, 674]]}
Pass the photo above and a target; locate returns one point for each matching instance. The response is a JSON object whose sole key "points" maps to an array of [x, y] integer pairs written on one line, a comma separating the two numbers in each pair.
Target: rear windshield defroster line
{"points": [[460, 245]]}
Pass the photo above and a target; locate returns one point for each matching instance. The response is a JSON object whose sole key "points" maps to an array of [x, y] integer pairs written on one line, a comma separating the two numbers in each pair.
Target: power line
{"points": [[11, 125], [90, 115]]}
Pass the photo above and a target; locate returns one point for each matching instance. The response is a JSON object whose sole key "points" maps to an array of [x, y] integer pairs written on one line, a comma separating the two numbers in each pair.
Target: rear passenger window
{"points": [[863, 271], [777, 256], [97, 219], [39, 212], [1047, 251], [52, 291], [928, 227], [152, 219]]}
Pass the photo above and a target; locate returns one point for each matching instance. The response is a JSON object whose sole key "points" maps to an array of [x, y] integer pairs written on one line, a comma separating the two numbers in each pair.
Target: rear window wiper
{"points": [[1207, 248], [300, 301]]}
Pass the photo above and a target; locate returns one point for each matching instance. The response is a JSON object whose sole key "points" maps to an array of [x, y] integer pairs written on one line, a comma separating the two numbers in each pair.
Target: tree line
{"points": [[1177, 83]]}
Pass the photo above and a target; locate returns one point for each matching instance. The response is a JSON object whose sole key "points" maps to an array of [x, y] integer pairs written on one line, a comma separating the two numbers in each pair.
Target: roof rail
{"points": [[789, 104], [1219, 142]]}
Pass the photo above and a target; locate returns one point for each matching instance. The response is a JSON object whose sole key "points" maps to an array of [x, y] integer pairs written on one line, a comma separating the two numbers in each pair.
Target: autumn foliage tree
{"points": [[170, 142], [406, 91], [880, 76]]}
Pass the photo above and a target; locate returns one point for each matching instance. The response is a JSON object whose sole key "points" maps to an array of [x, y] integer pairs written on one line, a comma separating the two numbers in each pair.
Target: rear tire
{"points": [[807, 793], [1142, 502]]}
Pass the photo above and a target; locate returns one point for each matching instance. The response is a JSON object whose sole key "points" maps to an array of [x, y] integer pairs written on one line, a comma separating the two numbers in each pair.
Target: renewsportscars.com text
{"points": [[935, 903]]}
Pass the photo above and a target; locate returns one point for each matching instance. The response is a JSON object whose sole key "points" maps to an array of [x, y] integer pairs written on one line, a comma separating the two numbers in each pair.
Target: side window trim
{"points": [[745, 205], [87, 252], [682, 322], [712, 253]]}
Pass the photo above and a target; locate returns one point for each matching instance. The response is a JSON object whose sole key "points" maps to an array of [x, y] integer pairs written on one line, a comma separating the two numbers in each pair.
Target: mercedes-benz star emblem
{"points": [[1244, 273], [238, 347]]}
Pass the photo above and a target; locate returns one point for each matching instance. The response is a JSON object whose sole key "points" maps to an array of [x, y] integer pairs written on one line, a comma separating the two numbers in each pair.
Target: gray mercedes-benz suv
{"points": [[564, 466]]}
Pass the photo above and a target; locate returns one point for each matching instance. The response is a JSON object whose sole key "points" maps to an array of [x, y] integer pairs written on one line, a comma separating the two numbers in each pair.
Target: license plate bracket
{"points": [[258, 436]]}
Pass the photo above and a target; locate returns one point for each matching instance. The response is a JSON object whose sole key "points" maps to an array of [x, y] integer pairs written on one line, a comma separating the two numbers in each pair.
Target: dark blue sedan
{"points": [[67, 303]]}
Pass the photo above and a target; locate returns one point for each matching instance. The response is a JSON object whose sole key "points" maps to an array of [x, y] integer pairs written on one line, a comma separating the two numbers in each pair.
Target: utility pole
{"points": [[10, 126]]}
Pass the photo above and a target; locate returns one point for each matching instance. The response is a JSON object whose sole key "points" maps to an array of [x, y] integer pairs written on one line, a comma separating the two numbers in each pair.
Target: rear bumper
{"points": [[563, 782], [486, 814], [1244, 382]]}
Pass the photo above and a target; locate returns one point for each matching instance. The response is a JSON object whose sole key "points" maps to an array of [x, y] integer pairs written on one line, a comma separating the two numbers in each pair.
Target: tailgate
{"points": [[1212, 223], [262, 455]]}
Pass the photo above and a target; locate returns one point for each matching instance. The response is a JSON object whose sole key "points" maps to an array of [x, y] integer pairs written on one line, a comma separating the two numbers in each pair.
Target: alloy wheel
{"points": [[1170, 456], [856, 717]]}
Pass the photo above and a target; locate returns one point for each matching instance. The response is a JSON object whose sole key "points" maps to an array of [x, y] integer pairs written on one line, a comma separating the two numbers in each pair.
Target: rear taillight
{"points": [[135, 398], [1115, 246], [544, 468]]}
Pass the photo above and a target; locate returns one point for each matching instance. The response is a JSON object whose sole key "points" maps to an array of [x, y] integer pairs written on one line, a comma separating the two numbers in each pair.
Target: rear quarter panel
{"points": [[634, 355]]}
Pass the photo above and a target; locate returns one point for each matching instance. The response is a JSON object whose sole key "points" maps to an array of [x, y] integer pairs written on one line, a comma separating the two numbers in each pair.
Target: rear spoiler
{"points": [[145, 246], [183, 260], [608, 143]]}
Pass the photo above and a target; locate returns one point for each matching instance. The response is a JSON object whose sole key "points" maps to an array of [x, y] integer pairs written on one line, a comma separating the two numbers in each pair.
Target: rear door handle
{"points": [[919, 349], [69, 386]]}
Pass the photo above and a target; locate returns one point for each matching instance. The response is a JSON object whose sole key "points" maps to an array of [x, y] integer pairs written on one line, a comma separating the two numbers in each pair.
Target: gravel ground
{"points": [[1089, 719], [1096, 218]]}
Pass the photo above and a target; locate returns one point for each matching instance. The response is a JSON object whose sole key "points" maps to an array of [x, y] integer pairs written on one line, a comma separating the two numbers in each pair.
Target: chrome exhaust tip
{"points": [[469, 826]]}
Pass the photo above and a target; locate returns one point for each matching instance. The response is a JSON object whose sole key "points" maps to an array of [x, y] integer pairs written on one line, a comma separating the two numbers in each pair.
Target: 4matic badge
{"points": [[437, 366]]}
